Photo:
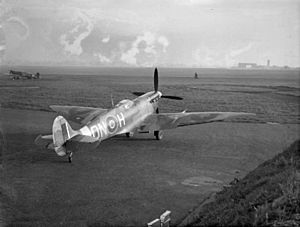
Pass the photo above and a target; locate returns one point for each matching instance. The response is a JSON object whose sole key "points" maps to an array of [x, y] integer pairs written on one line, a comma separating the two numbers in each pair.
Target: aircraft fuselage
{"points": [[125, 117]]}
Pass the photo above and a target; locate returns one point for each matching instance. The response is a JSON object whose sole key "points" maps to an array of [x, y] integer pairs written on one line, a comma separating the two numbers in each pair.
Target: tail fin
{"points": [[62, 131]]}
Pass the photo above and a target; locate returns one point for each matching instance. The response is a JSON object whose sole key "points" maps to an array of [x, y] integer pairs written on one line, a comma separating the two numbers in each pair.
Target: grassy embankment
{"points": [[268, 196]]}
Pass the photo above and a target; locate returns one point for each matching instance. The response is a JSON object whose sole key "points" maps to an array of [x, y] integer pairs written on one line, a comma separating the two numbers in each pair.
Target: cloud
{"points": [[62, 32], [236, 52], [102, 58], [21, 22], [129, 56], [106, 39], [164, 42], [148, 43], [194, 2], [74, 48], [2, 48], [212, 56], [230, 58], [204, 57]]}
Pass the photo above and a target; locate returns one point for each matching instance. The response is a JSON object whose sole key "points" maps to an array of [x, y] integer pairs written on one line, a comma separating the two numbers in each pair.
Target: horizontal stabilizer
{"points": [[84, 139], [44, 141], [47, 140]]}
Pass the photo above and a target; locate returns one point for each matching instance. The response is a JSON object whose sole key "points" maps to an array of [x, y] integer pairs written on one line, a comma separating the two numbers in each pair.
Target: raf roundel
{"points": [[112, 124]]}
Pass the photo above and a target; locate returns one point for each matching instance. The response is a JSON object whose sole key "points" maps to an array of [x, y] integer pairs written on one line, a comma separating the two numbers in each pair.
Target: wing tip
{"points": [[249, 114], [53, 107]]}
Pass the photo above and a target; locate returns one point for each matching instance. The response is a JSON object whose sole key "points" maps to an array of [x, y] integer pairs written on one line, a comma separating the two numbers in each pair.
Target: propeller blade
{"points": [[155, 80], [112, 100], [138, 93], [171, 97]]}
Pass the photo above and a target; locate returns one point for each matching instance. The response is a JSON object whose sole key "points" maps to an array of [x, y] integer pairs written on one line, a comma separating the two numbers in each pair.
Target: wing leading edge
{"points": [[164, 121]]}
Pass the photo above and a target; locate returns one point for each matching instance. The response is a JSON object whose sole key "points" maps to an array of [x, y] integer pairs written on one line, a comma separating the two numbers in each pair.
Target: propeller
{"points": [[112, 100], [171, 97], [137, 93], [155, 80]]}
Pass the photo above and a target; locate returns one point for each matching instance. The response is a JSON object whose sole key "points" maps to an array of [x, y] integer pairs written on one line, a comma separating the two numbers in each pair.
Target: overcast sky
{"points": [[191, 33]]}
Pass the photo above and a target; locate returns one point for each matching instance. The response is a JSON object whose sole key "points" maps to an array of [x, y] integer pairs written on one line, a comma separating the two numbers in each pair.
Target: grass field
{"points": [[272, 95], [267, 196], [129, 182]]}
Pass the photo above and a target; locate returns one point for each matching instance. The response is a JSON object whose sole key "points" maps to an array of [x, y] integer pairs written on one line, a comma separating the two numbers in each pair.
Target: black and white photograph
{"points": [[155, 113]]}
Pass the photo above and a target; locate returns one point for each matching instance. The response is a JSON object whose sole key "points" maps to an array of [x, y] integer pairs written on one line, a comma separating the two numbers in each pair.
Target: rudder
{"points": [[61, 131]]}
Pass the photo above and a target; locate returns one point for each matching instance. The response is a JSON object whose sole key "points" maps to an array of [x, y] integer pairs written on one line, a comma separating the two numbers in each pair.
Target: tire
{"points": [[70, 157], [129, 134], [158, 135]]}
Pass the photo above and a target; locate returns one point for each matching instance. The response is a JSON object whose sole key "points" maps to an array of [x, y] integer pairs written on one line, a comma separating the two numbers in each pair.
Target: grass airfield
{"points": [[129, 182]]}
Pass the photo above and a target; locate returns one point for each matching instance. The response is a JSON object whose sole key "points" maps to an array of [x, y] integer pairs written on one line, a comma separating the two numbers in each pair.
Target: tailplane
{"points": [[61, 134]]}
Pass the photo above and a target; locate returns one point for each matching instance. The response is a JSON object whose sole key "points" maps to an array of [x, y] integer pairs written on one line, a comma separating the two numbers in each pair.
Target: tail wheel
{"points": [[70, 157], [158, 135]]}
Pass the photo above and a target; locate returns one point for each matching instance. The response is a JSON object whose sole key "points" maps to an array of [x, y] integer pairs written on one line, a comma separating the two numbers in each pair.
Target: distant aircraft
{"points": [[140, 115], [15, 75]]}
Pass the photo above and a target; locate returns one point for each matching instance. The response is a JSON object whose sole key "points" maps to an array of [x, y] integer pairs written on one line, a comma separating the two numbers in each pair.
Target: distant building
{"points": [[247, 65], [268, 66]]}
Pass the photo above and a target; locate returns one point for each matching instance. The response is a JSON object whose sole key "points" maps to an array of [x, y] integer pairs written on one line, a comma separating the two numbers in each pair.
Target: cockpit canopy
{"points": [[126, 103]]}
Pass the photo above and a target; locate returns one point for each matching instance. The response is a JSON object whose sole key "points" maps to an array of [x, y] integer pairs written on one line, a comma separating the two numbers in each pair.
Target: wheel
{"points": [[70, 157], [129, 134], [158, 135]]}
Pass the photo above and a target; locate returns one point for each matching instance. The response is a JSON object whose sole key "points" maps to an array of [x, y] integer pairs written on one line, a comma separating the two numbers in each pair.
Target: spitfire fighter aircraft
{"points": [[140, 115]]}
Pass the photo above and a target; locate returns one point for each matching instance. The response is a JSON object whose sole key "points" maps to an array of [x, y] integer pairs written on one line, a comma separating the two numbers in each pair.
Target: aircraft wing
{"points": [[163, 121], [78, 114]]}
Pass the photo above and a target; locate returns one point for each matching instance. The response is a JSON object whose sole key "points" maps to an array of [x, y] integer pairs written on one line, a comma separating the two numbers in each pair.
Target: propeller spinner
{"points": [[156, 89]]}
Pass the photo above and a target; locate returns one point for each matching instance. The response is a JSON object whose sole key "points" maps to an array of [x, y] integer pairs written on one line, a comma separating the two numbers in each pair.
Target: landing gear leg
{"points": [[70, 157], [129, 134], [158, 135]]}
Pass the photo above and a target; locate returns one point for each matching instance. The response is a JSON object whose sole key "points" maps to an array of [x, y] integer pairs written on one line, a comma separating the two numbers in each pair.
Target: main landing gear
{"points": [[158, 135], [129, 134], [70, 157]]}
